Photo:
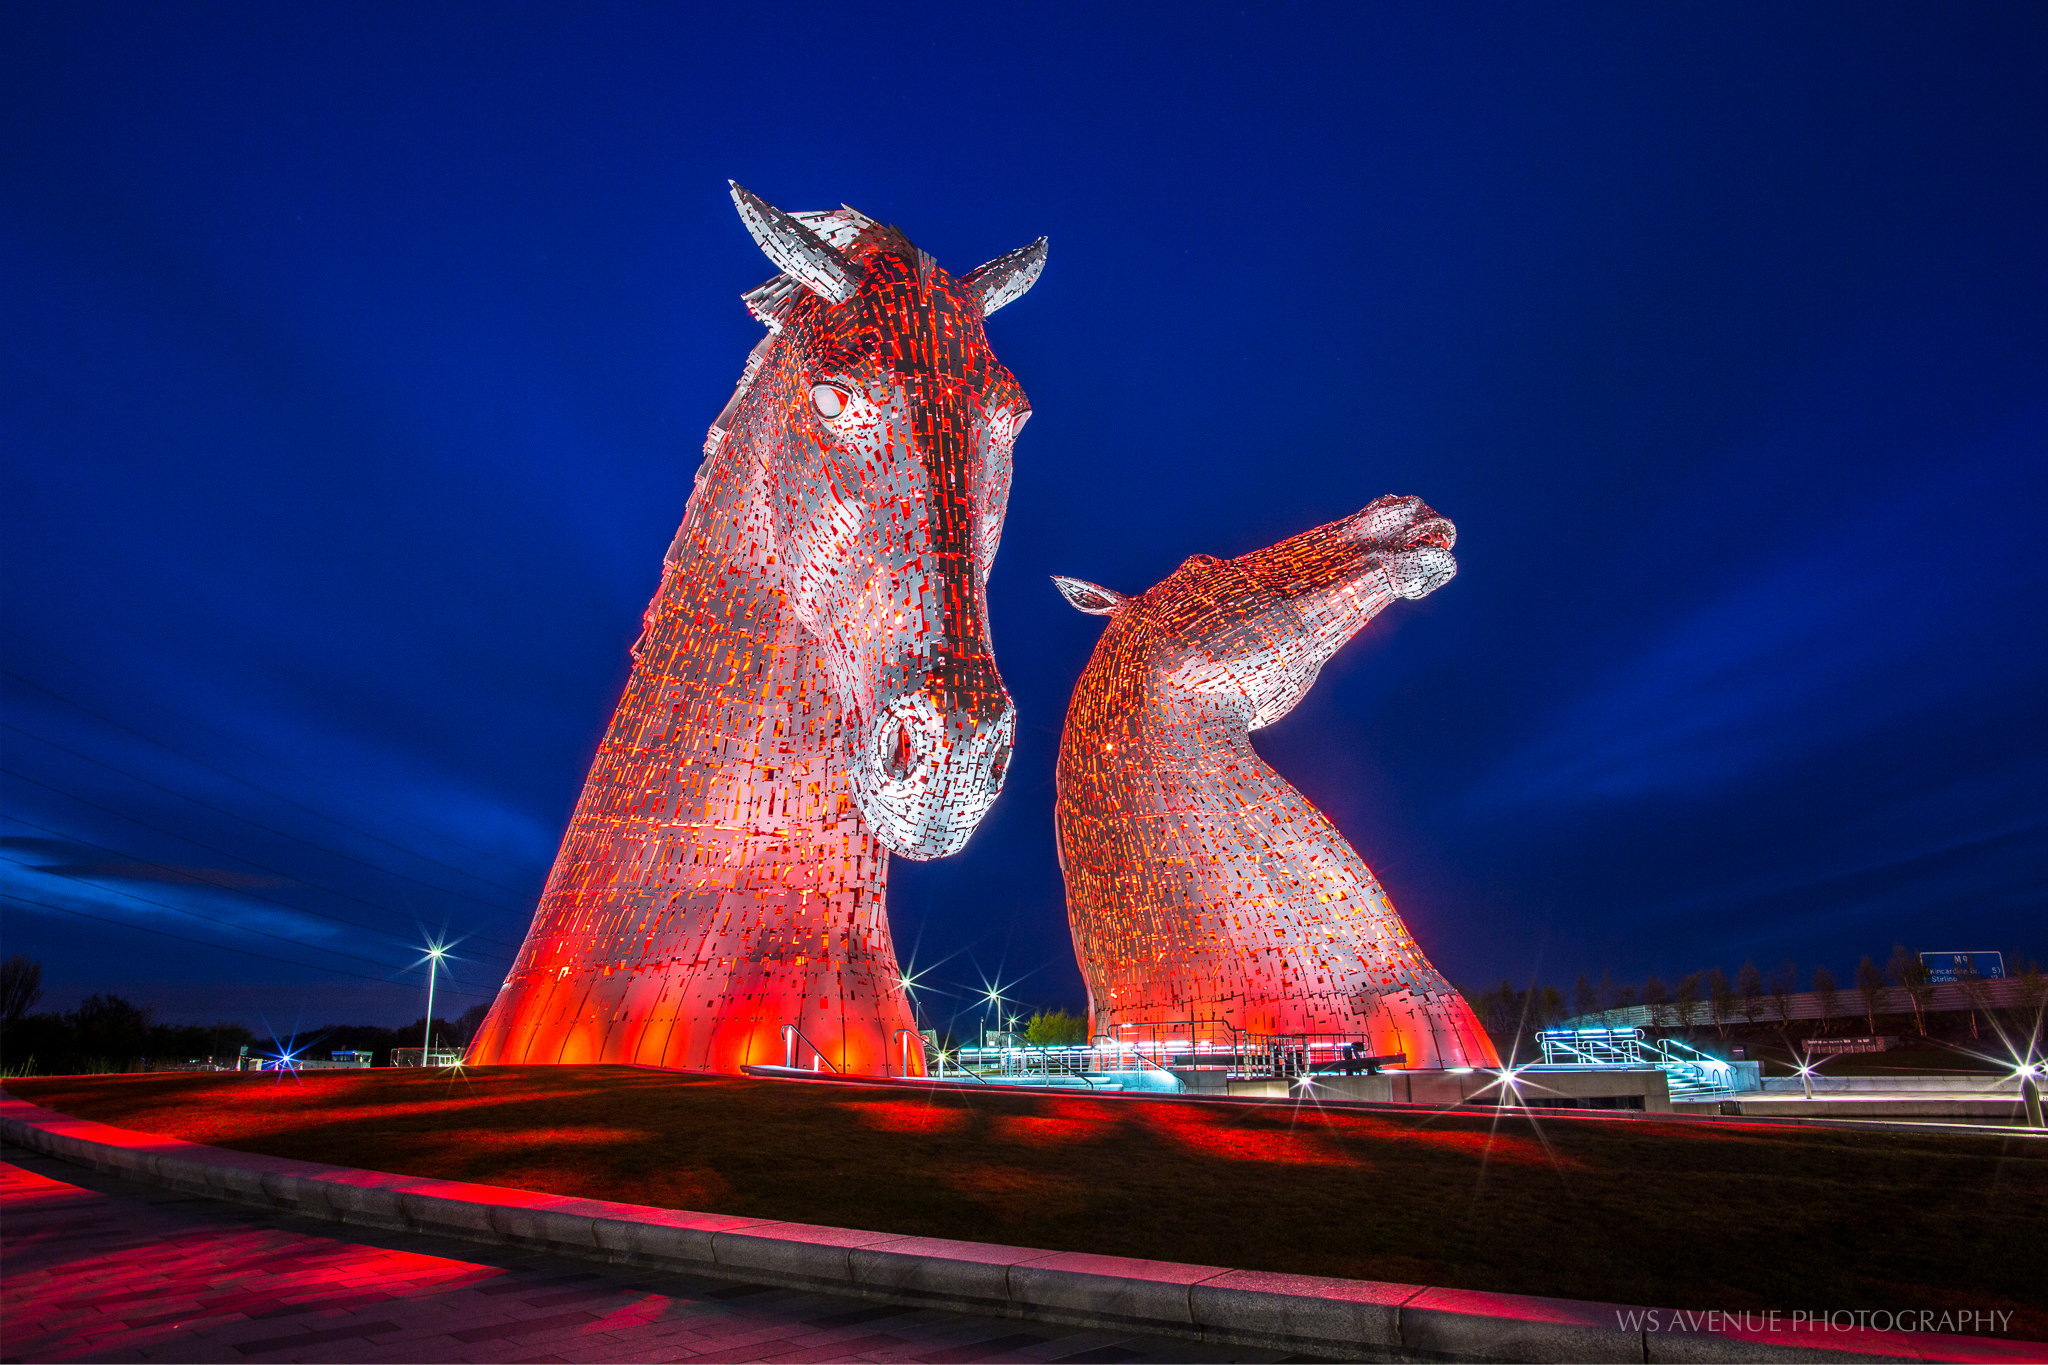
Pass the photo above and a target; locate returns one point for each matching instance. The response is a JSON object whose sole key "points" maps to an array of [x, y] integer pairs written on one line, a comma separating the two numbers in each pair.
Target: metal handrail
{"points": [[1628, 1047], [940, 1052], [789, 1049], [1120, 1045], [1081, 1076], [897, 1036]]}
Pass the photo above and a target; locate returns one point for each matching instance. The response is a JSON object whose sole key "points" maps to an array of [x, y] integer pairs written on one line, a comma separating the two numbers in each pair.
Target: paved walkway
{"points": [[94, 1268]]}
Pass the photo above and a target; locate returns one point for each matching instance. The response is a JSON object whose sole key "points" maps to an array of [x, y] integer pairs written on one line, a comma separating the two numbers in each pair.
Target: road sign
{"points": [[1946, 967]]}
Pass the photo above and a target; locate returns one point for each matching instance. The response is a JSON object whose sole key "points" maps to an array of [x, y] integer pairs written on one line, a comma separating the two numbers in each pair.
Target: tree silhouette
{"points": [[1749, 984], [1658, 997], [21, 986], [1870, 985], [1830, 998], [1911, 973], [1687, 998], [1720, 1000], [1784, 981]]}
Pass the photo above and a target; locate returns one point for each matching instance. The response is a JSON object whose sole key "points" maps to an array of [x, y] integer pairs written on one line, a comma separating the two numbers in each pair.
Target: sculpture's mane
{"points": [[718, 898], [771, 303]]}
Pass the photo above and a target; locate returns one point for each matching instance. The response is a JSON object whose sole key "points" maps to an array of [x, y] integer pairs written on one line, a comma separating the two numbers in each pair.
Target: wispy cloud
{"points": [[85, 866], [1926, 600], [201, 903]]}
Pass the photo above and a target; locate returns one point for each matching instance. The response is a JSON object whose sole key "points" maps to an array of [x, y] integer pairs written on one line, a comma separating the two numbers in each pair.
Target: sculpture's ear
{"points": [[1092, 598], [1008, 277], [797, 251]]}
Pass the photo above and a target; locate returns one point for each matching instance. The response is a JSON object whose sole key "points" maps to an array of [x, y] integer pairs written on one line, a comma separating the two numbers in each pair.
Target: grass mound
{"points": [[1690, 1215]]}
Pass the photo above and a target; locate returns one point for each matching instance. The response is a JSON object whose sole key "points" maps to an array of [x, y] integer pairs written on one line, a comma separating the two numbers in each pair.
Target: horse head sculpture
{"points": [[881, 427], [812, 690], [1248, 636], [1201, 886]]}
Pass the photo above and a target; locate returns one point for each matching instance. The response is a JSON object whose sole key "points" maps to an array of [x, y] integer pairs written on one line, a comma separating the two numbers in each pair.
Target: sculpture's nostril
{"points": [[899, 753]]}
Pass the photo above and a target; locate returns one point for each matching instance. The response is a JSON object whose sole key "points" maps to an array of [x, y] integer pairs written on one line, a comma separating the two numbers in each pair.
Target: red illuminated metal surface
{"points": [[814, 688], [1200, 885]]}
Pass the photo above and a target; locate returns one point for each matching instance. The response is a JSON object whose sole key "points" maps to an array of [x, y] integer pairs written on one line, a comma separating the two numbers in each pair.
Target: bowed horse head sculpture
{"points": [[882, 427], [1201, 886], [812, 690], [1247, 636]]}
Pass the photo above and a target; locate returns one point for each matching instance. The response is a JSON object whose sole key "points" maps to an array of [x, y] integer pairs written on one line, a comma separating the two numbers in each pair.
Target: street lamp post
{"points": [[434, 951]]}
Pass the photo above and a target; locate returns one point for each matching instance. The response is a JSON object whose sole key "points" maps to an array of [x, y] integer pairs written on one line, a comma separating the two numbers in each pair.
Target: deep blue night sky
{"points": [[357, 359]]}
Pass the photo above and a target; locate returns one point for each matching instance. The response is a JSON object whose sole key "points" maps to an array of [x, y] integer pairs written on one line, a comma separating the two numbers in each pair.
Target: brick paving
{"points": [[97, 1269]]}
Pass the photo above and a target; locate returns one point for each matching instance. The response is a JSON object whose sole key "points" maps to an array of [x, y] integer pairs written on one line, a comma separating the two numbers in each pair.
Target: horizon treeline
{"points": [[109, 1033], [1900, 988]]}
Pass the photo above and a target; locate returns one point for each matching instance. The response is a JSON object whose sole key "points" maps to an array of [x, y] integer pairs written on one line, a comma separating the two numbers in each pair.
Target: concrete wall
{"points": [[1960, 1085], [1570, 1087]]}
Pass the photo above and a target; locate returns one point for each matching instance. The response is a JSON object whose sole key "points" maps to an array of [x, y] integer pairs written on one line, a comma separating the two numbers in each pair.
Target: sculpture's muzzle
{"points": [[924, 774]]}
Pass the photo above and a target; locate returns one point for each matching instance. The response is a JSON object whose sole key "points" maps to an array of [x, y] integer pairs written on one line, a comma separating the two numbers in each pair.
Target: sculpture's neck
{"points": [[743, 699], [1168, 735]]}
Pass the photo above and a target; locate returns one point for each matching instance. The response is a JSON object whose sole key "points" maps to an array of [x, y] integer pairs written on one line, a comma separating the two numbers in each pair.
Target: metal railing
{"points": [[1688, 1071], [902, 1039], [1160, 1054], [1015, 1061], [1262, 1056], [1118, 1047], [1045, 1063], [935, 1059], [790, 1034]]}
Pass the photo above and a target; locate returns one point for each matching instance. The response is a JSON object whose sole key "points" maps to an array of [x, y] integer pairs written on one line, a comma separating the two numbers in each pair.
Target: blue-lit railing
{"points": [[1691, 1072]]}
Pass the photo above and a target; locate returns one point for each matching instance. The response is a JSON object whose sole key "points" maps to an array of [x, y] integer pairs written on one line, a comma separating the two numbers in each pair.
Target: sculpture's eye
{"points": [[830, 400]]}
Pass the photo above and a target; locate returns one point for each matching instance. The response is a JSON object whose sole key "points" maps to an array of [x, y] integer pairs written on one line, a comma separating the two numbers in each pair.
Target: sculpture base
{"points": [[1431, 1031]]}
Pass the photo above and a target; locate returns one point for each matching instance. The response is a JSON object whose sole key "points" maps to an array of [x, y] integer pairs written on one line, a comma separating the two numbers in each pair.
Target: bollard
{"points": [[2030, 1093]]}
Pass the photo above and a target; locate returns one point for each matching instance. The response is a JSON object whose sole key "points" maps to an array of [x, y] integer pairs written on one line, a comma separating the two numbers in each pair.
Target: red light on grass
{"points": [[907, 1116]]}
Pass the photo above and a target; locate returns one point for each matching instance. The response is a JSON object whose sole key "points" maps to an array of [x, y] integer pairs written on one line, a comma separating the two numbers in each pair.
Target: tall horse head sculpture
{"points": [[1201, 886], [814, 687]]}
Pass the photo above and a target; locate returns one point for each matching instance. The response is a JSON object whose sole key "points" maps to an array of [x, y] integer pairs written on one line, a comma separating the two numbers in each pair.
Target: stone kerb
{"points": [[1347, 1319]]}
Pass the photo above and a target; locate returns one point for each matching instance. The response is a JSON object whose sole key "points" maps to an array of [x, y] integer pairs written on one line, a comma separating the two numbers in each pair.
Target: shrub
{"points": [[1056, 1028]]}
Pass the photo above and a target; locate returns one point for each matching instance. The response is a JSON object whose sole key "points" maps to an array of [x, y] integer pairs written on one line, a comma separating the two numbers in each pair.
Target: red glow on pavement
{"points": [[538, 1141], [69, 1297], [19, 1188]]}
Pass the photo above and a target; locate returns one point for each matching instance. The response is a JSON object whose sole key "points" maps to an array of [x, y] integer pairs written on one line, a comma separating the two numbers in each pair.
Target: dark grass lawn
{"points": [[1680, 1214]]}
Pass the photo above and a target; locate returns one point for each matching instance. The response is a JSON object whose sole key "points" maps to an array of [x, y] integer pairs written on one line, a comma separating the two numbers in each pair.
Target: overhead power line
{"points": [[229, 924], [210, 848], [101, 679], [231, 890], [217, 947], [256, 786], [220, 810]]}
